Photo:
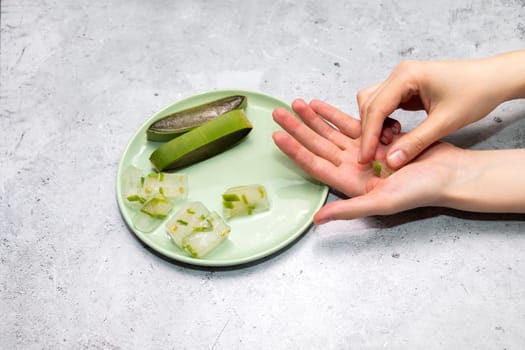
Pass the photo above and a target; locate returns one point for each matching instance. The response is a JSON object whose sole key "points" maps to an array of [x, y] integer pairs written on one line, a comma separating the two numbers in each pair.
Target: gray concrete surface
{"points": [[78, 78]]}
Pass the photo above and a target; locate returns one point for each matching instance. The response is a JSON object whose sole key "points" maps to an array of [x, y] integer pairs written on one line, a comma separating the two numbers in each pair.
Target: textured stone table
{"points": [[78, 79]]}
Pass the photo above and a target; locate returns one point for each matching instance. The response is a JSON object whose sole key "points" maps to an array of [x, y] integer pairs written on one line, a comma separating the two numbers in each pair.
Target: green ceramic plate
{"points": [[294, 196]]}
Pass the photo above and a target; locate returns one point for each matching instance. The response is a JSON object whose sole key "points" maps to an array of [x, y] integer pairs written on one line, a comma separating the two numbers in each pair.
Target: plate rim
{"points": [[205, 262]]}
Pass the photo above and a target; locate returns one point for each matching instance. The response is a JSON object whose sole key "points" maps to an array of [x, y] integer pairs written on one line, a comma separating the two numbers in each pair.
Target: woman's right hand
{"points": [[452, 93]]}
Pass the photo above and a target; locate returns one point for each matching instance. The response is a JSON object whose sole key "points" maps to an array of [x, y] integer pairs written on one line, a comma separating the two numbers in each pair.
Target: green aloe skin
{"points": [[202, 142], [178, 123]]}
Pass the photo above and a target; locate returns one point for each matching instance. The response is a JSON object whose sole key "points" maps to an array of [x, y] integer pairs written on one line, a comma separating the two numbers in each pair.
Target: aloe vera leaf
{"points": [[176, 124], [202, 142], [201, 243]]}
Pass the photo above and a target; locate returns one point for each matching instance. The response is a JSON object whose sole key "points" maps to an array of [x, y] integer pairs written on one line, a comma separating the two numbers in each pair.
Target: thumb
{"points": [[411, 144], [372, 203]]}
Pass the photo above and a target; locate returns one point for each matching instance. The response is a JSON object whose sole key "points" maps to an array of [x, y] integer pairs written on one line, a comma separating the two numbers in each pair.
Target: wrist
{"points": [[458, 192], [488, 181], [457, 172], [508, 75]]}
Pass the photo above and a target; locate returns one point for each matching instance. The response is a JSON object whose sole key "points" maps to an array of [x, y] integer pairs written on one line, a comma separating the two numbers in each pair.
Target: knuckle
{"points": [[375, 112], [407, 68], [405, 65], [361, 96]]}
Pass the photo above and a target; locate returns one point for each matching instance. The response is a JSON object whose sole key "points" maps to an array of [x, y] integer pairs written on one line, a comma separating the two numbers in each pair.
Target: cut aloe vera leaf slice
{"points": [[177, 123], [201, 243], [182, 223], [202, 142], [131, 187], [157, 206], [244, 200], [145, 222]]}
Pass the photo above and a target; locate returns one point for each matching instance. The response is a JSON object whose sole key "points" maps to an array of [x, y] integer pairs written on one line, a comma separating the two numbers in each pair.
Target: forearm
{"points": [[488, 181], [507, 72]]}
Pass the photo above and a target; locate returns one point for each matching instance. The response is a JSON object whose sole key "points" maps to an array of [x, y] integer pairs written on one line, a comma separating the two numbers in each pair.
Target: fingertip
{"points": [[396, 158], [298, 104], [315, 103], [278, 111], [396, 127], [387, 135], [365, 155], [369, 143], [277, 135], [320, 218]]}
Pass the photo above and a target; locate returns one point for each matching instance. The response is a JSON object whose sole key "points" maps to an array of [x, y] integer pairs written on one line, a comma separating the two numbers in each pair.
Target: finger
{"points": [[373, 203], [391, 127], [411, 144], [320, 168], [342, 121], [306, 136], [364, 99], [347, 209], [387, 136], [397, 89], [384, 103], [319, 125], [365, 96], [392, 124]]}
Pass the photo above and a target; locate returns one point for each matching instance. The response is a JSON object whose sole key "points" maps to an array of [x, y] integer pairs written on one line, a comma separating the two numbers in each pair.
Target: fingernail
{"points": [[397, 158]]}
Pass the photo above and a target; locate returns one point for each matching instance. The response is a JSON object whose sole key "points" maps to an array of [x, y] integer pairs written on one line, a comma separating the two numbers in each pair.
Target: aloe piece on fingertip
{"points": [[202, 142], [180, 122]]}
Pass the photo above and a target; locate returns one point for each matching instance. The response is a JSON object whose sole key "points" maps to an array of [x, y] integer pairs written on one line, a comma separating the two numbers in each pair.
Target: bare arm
{"points": [[452, 93], [443, 175], [489, 181]]}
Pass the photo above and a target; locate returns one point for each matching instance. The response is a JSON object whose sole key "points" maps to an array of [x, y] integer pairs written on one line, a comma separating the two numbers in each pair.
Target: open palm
{"points": [[325, 142]]}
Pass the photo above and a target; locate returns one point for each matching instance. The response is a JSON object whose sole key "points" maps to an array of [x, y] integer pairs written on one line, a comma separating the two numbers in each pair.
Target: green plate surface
{"points": [[294, 196]]}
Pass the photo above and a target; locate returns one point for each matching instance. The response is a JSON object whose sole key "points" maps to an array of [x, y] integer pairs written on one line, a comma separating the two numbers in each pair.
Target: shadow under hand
{"points": [[417, 225]]}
